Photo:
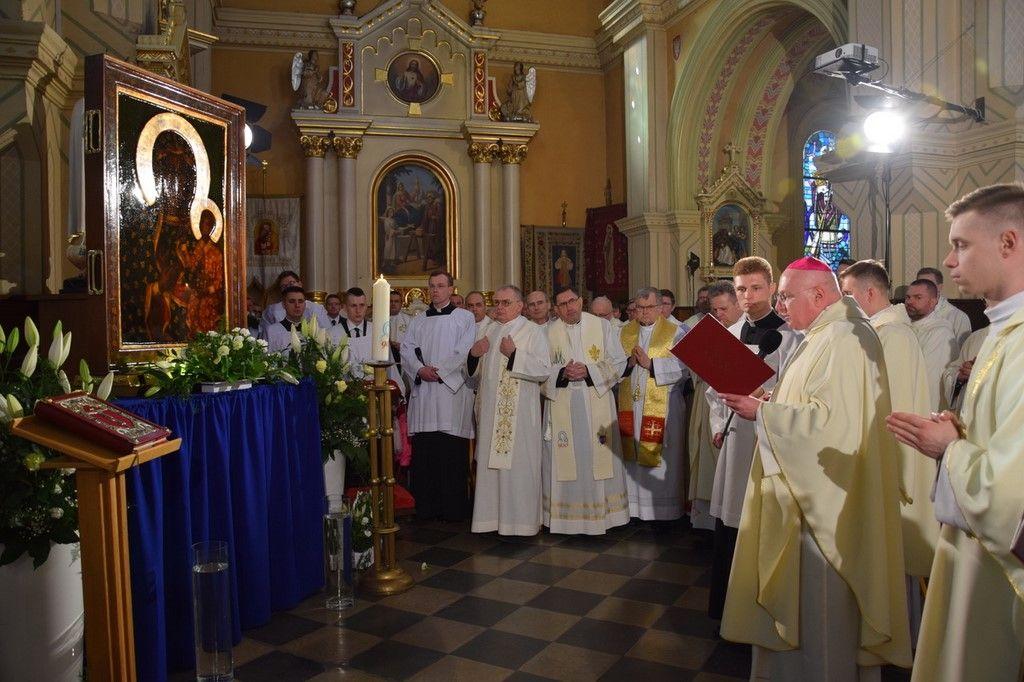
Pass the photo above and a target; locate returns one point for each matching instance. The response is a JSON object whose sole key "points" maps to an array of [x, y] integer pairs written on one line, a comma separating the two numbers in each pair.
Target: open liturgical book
{"points": [[711, 352], [103, 423]]}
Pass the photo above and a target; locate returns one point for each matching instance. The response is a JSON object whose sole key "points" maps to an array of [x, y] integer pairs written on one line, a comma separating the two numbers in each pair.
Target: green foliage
{"points": [[342, 399], [212, 357], [37, 506]]}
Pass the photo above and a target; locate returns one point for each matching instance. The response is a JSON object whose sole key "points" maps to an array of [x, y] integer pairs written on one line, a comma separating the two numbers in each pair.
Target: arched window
{"points": [[826, 229]]}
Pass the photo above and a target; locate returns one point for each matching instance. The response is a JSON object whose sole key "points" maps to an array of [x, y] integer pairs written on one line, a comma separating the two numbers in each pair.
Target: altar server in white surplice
{"points": [[957, 318], [441, 403], [279, 335], [958, 372], [508, 364], [652, 412], [584, 483], [358, 330]]}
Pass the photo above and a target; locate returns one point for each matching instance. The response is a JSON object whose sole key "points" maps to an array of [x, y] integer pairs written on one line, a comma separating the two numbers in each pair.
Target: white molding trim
{"points": [[288, 31], [623, 20]]}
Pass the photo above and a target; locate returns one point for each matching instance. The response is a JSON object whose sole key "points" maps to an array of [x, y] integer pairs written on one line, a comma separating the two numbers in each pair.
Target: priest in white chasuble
{"points": [[754, 284], [817, 581], [935, 334], [719, 300], [584, 486], [652, 412], [973, 627], [958, 372], [440, 415], [868, 283], [508, 364]]}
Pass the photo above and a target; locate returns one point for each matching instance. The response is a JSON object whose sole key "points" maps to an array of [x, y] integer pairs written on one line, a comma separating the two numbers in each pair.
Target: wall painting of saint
{"points": [[414, 223]]}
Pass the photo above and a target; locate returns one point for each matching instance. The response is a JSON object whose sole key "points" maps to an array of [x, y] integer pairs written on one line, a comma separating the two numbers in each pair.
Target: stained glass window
{"points": [[826, 229]]}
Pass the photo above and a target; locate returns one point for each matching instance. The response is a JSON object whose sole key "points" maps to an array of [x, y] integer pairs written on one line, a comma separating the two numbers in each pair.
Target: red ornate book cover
{"points": [[98, 420], [720, 359]]}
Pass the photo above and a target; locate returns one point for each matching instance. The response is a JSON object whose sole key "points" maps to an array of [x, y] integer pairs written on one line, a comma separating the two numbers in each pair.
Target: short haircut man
{"points": [[602, 307], [869, 271], [751, 265], [934, 274]]}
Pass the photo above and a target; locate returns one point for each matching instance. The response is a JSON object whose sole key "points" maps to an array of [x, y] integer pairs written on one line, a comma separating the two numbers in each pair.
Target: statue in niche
{"points": [[522, 86], [309, 82], [477, 14]]}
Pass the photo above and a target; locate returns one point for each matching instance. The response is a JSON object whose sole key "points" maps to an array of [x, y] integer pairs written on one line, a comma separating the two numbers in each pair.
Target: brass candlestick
{"points": [[385, 577]]}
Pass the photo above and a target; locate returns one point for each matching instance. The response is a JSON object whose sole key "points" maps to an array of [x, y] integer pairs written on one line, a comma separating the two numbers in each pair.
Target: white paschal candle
{"points": [[381, 320]]}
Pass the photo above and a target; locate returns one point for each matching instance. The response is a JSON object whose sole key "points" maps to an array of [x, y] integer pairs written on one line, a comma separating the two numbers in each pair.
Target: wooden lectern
{"points": [[103, 526]]}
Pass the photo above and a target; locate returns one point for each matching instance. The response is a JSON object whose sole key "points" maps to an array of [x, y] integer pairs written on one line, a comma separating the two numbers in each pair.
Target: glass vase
{"points": [[339, 573], [211, 605]]}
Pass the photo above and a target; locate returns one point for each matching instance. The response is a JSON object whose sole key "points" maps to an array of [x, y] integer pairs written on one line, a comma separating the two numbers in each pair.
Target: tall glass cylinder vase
{"points": [[211, 604], [338, 569]]}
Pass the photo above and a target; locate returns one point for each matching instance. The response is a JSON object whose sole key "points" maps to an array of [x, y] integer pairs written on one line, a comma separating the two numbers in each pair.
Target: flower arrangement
{"points": [[212, 357], [342, 399], [38, 506], [362, 530]]}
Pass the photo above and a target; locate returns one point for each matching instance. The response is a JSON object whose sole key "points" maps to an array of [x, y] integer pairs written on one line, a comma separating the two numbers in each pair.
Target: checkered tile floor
{"points": [[626, 606]]}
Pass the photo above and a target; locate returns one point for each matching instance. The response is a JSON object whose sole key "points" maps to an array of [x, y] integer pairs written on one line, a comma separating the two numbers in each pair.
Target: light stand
{"points": [[385, 577]]}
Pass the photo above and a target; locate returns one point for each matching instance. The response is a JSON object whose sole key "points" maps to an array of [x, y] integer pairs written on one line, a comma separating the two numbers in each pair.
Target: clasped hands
{"points": [[639, 357], [575, 371], [928, 435], [507, 347]]}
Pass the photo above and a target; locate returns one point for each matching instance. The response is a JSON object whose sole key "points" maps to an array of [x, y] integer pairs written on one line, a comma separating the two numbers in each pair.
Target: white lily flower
{"points": [[344, 355], [14, 408], [83, 371], [295, 343], [28, 365], [31, 333], [321, 336], [67, 348], [56, 350], [65, 384], [287, 376], [103, 392]]}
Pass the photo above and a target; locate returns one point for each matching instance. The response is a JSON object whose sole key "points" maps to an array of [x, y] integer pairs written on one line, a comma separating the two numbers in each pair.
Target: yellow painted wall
{"points": [[264, 77], [615, 128], [567, 160]]}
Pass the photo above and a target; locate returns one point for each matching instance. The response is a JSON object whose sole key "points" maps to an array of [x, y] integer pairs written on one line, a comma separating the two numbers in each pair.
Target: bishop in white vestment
{"points": [[508, 365], [584, 486], [652, 413]]}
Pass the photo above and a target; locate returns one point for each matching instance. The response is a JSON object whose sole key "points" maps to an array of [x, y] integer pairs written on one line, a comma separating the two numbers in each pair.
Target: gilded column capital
{"points": [[314, 145], [348, 147], [482, 152], [512, 153]]}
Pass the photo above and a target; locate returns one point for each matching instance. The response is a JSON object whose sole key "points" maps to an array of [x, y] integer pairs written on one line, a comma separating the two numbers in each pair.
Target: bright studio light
{"points": [[883, 129], [248, 136]]}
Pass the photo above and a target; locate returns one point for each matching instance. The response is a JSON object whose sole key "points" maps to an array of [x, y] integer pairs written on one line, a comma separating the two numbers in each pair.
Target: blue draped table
{"points": [[249, 472]]}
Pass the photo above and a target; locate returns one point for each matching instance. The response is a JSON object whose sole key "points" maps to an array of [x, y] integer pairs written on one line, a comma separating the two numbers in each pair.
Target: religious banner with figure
{"points": [[607, 253], [552, 257], [273, 237], [164, 183]]}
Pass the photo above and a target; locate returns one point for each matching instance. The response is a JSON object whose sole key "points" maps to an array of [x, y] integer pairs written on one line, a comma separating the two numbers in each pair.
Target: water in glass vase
{"points": [[211, 594]]}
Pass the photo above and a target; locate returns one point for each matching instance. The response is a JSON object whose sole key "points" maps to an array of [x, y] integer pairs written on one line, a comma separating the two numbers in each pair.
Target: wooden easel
{"points": [[103, 527]]}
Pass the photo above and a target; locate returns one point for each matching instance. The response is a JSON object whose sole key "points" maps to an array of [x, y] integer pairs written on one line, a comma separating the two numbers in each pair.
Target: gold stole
{"points": [[503, 435], [598, 412], [655, 410]]}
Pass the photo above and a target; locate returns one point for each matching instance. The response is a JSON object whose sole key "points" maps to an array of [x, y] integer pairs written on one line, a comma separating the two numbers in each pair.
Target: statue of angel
{"points": [[308, 81], [519, 94]]}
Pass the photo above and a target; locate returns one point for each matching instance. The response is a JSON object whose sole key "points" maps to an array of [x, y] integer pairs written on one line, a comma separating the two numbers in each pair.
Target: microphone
{"points": [[768, 344]]}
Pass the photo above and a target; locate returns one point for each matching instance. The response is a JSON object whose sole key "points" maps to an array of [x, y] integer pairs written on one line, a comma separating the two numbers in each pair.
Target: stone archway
{"points": [[757, 51]]}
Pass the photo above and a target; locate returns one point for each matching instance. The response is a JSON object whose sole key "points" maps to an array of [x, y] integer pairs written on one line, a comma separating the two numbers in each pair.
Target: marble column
{"points": [[347, 149], [483, 156], [329, 257], [511, 156], [315, 148]]}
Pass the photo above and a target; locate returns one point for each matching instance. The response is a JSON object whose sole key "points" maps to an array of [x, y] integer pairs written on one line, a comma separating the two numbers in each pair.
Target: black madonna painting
{"points": [[172, 261], [413, 77], [413, 231]]}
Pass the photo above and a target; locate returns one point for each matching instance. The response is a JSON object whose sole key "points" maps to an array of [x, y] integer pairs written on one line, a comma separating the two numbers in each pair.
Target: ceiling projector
{"points": [[851, 58]]}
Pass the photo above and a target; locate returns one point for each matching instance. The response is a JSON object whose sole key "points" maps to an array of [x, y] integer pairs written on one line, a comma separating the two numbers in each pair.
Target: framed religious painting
{"points": [[607, 252], [413, 77], [414, 220], [732, 220], [553, 257], [272, 236], [165, 229]]}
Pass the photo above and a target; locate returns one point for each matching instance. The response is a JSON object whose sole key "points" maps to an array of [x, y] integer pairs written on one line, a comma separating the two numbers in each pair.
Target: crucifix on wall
{"points": [[564, 206], [731, 151]]}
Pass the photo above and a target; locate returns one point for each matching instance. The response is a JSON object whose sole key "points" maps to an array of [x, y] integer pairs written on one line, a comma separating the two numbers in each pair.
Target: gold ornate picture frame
{"points": [[732, 219], [415, 220]]}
